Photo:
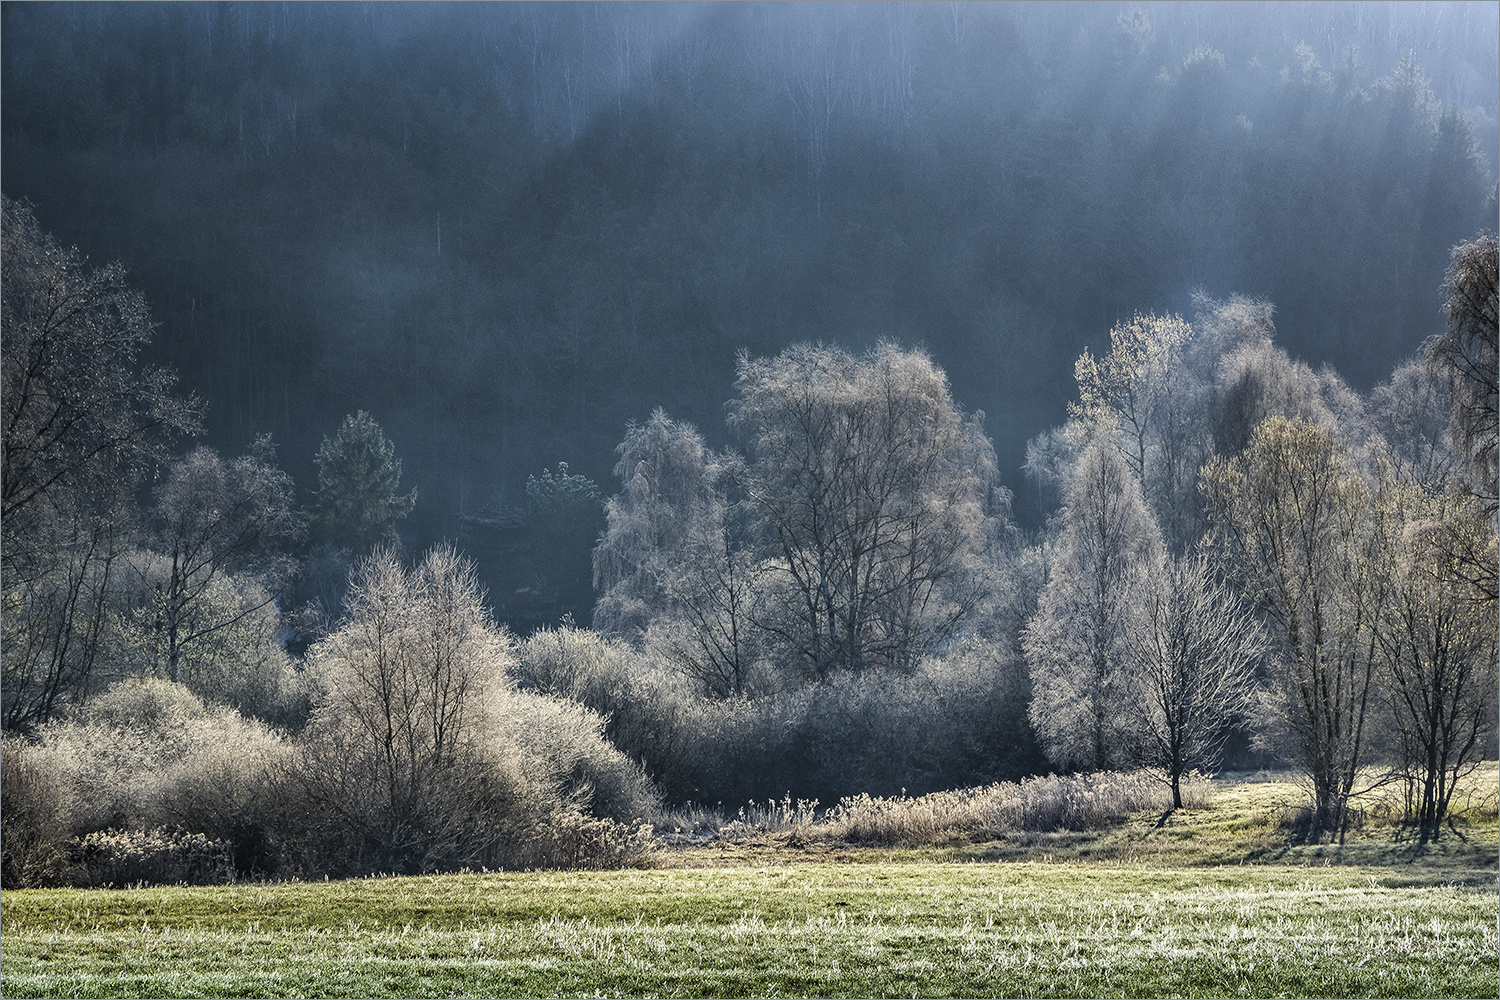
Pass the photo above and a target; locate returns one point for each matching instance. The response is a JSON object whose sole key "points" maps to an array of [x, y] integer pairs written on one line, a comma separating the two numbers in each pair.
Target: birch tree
{"points": [[1193, 671], [1293, 525], [1108, 563]]}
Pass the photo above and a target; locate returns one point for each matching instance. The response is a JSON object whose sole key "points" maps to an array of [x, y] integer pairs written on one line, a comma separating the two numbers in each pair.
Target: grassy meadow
{"points": [[1210, 902]]}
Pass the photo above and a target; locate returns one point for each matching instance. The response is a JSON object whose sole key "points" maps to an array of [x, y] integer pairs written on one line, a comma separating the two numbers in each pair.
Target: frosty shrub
{"points": [[239, 661], [423, 756], [396, 771], [562, 744], [121, 858], [651, 713], [36, 810], [148, 754], [577, 664], [956, 720]]}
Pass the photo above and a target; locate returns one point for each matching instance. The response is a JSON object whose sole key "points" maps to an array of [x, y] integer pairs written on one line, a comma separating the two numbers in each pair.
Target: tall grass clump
{"points": [[1039, 804], [1078, 802]]}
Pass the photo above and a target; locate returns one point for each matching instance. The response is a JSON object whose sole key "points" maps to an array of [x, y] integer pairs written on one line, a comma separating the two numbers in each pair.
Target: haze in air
{"points": [[452, 437]]}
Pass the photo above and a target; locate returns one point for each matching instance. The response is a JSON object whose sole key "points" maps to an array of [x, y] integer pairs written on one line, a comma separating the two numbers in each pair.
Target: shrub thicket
{"points": [[120, 858], [35, 815], [954, 720]]}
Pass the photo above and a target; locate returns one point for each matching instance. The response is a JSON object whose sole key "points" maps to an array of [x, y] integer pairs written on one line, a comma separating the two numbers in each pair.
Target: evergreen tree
{"points": [[358, 476]]}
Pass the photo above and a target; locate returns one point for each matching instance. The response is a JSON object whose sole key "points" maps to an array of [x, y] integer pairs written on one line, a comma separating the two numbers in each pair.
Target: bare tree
{"points": [[214, 517], [1107, 564], [675, 560], [396, 751], [57, 615], [1193, 667], [82, 420], [1293, 525], [1438, 640], [817, 84], [1143, 390], [81, 415], [873, 493], [714, 589], [1465, 358]]}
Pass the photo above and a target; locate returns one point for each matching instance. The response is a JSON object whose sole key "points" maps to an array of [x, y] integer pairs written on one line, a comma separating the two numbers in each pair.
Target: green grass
{"points": [[1242, 825], [1139, 910], [880, 928]]}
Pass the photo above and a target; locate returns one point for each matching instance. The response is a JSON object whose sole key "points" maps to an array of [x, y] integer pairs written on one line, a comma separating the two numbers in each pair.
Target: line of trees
{"points": [[1339, 525], [1243, 548]]}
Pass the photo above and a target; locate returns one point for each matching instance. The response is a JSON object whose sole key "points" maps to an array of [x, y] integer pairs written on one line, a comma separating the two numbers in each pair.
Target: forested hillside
{"points": [[507, 230]]}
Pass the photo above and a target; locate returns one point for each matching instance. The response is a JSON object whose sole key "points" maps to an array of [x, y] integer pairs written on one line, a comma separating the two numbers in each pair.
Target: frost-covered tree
{"points": [[1293, 523], [675, 564], [1193, 671], [213, 517], [396, 746], [1465, 356], [83, 419], [665, 487], [1106, 567], [1258, 380], [82, 416], [1410, 412], [873, 494], [713, 633], [1130, 387], [1438, 640]]}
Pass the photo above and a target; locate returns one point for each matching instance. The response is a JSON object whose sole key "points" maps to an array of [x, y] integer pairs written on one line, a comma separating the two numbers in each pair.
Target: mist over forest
{"points": [[733, 400], [506, 231]]}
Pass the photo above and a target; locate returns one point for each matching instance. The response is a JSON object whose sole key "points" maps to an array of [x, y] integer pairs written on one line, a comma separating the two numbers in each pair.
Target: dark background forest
{"points": [[507, 230]]}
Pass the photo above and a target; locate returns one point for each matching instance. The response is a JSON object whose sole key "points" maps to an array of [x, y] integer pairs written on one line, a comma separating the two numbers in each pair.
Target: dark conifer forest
{"points": [[506, 230], [767, 398]]}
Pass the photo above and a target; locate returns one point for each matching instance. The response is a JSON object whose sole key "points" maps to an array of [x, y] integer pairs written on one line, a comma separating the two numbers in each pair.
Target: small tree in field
{"points": [[1293, 523], [1438, 638], [1193, 665]]}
